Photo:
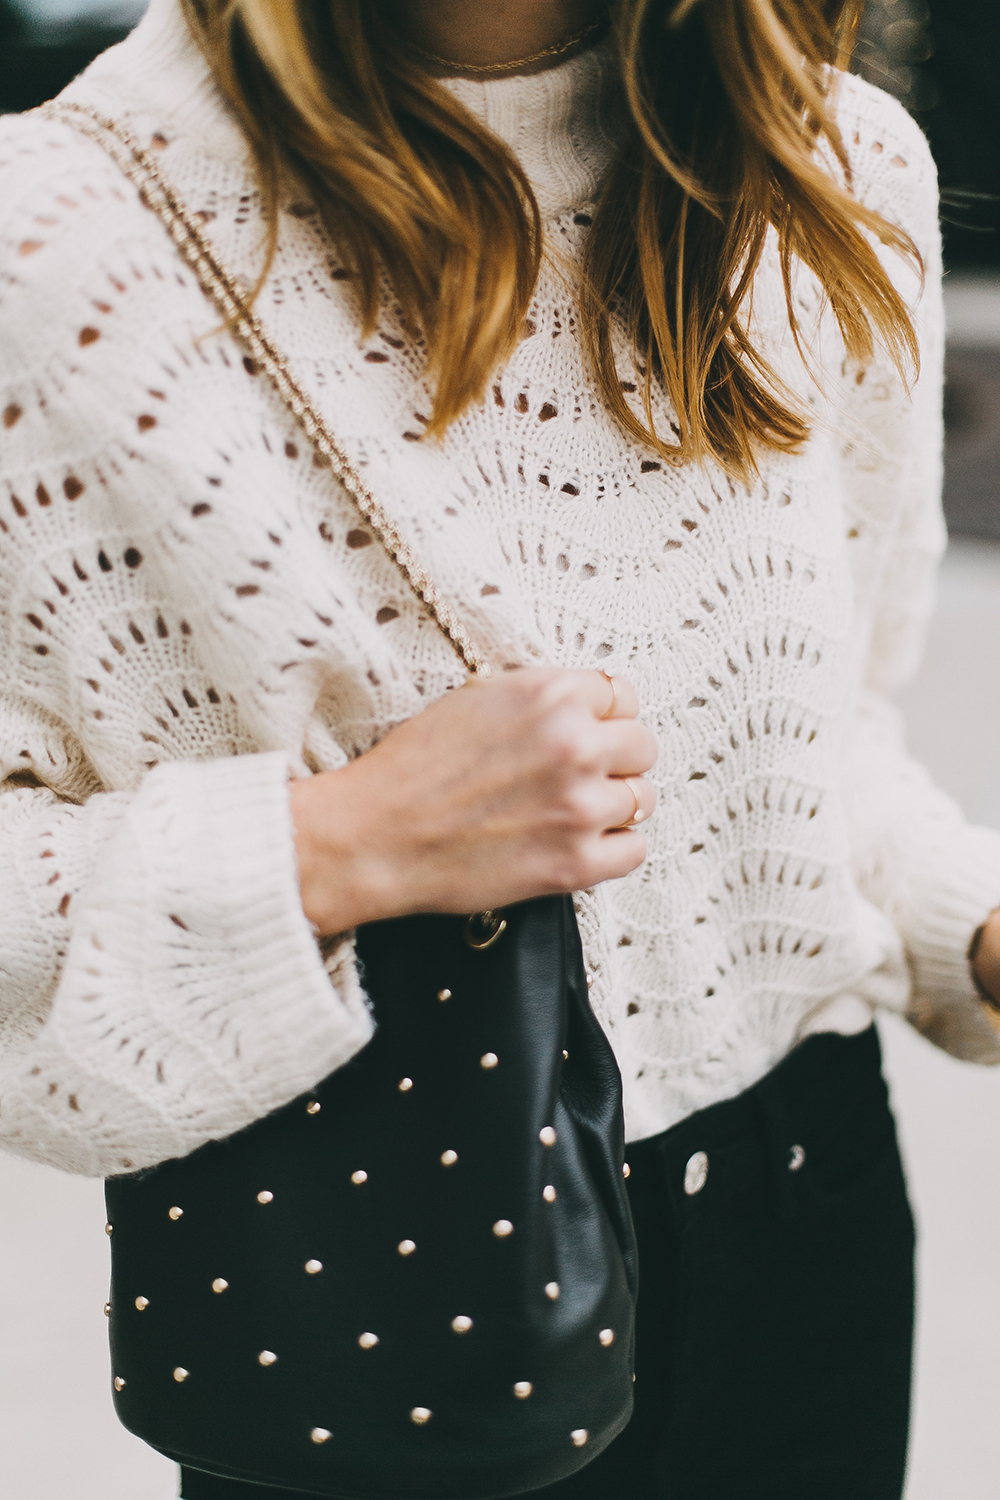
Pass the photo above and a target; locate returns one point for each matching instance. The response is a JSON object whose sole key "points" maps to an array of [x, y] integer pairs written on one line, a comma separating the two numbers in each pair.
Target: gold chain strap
{"points": [[223, 290]]}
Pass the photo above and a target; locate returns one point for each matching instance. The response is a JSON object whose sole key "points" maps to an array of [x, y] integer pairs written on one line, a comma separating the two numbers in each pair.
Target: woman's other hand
{"points": [[508, 788], [987, 960]]}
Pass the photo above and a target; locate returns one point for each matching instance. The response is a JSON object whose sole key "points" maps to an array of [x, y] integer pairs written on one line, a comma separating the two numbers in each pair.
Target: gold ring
{"points": [[614, 693], [637, 814]]}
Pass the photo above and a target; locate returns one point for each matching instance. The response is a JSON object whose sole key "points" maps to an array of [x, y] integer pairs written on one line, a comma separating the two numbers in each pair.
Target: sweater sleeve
{"points": [[159, 983], [914, 855]]}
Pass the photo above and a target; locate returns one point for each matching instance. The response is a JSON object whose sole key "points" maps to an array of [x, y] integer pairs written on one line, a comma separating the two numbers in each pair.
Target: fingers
{"points": [[620, 698], [628, 748], [601, 693], [619, 853], [631, 800], [606, 696]]}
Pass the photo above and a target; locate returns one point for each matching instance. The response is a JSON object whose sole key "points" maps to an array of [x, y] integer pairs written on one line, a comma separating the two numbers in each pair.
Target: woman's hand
{"points": [[987, 961], [508, 788]]}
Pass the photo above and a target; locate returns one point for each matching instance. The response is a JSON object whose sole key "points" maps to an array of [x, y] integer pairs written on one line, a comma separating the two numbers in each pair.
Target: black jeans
{"points": [[776, 1300]]}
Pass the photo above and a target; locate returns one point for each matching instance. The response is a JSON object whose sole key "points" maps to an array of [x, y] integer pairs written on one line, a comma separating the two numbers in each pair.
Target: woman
{"points": [[622, 314]]}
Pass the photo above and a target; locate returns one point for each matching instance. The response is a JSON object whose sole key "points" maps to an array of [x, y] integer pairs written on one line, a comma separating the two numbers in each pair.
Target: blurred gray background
{"points": [[59, 1439]]}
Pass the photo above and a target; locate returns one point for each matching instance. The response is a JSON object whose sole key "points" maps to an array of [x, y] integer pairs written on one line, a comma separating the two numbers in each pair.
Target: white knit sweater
{"points": [[189, 608]]}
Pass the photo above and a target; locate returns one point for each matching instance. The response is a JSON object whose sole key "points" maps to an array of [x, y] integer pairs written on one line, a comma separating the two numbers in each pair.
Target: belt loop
{"points": [[670, 1174]]}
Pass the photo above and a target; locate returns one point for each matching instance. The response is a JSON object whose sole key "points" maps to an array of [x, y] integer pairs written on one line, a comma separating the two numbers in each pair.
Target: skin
{"points": [[499, 32], [511, 787], [988, 957]]}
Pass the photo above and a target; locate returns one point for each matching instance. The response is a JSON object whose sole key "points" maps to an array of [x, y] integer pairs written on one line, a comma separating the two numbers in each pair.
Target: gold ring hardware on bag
{"points": [[483, 928]]}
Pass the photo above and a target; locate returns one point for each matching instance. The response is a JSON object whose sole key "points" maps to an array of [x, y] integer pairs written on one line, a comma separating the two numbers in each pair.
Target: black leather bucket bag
{"points": [[419, 1280]]}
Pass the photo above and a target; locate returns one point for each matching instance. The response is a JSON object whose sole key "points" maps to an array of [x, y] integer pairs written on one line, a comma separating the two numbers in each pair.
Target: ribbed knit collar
{"points": [[560, 123]]}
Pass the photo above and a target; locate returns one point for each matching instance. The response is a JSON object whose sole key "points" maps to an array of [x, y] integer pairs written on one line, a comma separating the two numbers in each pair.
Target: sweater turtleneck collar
{"points": [[561, 123]]}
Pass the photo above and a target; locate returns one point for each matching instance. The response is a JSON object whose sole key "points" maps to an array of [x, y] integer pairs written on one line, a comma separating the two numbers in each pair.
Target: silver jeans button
{"points": [[696, 1173]]}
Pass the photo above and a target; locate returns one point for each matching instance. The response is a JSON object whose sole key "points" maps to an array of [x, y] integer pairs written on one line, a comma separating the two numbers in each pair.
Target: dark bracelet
{"points": [[981, 990]]}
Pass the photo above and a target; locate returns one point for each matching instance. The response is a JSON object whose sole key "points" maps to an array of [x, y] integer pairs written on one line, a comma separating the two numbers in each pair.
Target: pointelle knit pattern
{"points": [[191, 609]]}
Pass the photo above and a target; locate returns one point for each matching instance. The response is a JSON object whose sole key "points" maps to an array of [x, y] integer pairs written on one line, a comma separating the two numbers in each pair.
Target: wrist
{"points": [[339, 885], [984, 960]]}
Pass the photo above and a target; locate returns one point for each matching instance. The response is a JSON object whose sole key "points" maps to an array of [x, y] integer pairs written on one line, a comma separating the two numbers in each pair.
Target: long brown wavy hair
{"points": [[727, 104]]}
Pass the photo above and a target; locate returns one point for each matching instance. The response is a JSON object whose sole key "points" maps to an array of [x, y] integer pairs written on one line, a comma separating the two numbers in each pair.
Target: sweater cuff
{"points": [[195, 999], [946, 1006]]}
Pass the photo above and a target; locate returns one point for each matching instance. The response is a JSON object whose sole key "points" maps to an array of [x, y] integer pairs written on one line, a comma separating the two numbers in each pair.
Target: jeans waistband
{"points": [[826, 1099]]}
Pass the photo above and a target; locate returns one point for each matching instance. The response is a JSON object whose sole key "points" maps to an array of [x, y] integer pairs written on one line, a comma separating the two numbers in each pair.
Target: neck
{"points": [[493, 33]]}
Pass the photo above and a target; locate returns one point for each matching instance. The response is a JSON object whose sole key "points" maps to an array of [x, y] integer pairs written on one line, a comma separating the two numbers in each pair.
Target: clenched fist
{"points": [[524, 785]]}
